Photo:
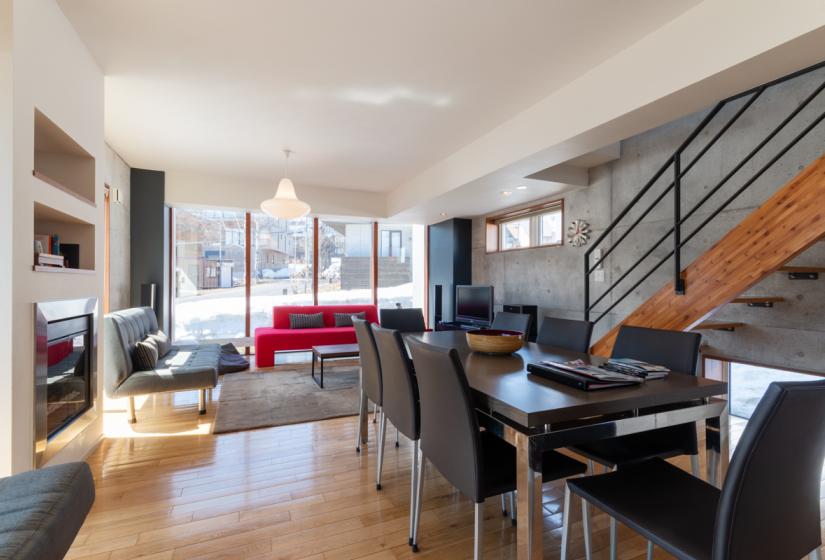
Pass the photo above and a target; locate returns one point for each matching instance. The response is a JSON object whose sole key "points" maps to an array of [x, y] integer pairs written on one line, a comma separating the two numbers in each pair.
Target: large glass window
{"points": [[281, 263], [400, 265], [210, 274], [344, 262]]}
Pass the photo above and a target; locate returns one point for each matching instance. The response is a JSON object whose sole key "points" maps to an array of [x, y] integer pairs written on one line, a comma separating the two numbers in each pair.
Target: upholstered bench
{"points": [[41, 511], [190, 367]]}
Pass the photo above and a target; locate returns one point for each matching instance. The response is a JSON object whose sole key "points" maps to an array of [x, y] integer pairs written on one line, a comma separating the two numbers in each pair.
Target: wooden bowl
{"points": [[492, 341]]}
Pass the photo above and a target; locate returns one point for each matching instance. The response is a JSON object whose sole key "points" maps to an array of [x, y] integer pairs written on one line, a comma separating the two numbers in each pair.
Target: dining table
{"points": [[535, 414]]}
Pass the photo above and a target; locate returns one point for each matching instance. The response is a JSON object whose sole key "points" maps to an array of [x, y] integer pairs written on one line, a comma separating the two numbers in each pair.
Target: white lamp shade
{"points": [[285, 204]]}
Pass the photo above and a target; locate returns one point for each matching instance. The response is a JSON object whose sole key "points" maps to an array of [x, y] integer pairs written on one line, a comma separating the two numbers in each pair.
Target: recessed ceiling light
{"points": [[521, 188], [506, 193], [442, 214]]}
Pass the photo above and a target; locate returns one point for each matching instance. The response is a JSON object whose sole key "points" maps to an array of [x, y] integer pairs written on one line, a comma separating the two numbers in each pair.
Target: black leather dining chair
{"points": [[569, 334], [768, 507], [407, 319], [506, 321], [400, 396], [371, 386], [677, 351], [476, 462]]}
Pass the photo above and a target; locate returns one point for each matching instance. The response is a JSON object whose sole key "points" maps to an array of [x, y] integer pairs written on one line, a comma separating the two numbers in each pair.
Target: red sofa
{"points": [[279, 337]]}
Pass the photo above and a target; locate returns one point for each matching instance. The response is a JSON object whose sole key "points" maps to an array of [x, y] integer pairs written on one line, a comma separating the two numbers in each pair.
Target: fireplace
{"points": [[65, 366]]}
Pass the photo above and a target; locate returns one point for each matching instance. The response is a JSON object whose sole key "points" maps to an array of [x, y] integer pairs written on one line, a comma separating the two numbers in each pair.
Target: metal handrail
{"points": [[679, 172]]}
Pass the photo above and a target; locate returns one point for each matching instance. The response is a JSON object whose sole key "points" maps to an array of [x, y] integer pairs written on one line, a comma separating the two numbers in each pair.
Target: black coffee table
{"points": [[331, 351]]}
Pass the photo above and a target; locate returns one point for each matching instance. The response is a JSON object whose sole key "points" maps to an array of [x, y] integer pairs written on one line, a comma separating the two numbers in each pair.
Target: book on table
{"points": [[582, 375]]}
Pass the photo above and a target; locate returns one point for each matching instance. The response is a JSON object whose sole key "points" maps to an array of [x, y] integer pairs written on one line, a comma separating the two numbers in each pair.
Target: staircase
{"points": [[782, 227]]}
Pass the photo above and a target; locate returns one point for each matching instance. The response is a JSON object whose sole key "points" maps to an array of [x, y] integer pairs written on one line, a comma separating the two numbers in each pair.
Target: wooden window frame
{"points": [[534, 212]]}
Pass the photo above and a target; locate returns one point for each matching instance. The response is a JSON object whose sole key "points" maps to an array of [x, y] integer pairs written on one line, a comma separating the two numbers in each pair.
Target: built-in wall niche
{"points": [[75, 236], [61, 162]]}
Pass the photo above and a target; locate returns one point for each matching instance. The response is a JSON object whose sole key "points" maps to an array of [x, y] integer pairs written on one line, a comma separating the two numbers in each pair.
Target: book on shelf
{"points": [[46, 259]]}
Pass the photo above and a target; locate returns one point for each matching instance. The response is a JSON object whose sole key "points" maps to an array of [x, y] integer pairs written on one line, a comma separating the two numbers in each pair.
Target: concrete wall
{"points": [[551, 278], [116, 174]]}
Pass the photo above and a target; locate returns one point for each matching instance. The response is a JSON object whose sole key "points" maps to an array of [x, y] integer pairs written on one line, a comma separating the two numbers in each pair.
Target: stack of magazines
{"points": [[636, 368], [580, 374]]}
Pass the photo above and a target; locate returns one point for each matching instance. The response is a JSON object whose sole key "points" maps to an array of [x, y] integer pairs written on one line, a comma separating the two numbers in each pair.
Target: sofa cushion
{"points": [[345, 319], [41, 511], [306, 320], [145, 354], [185, 367]]}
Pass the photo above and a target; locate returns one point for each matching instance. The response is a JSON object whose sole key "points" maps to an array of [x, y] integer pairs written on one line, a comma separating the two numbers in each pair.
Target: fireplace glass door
{"points": [[68, 388]]}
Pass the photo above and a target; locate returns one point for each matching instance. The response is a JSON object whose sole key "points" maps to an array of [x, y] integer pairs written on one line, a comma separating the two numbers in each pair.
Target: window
{"points": [[215, 298], [344, 262], [401, 265], [210, 275], [281, 263], [535, 226]]}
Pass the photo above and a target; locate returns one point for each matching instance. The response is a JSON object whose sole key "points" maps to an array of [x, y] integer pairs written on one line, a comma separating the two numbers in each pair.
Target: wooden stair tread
{"points": [[717, 326], [758, 299], [802, 269], [779, 230]]}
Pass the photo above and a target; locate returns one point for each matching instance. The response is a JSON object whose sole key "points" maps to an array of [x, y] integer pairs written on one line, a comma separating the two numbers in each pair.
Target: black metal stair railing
{"points": [[679, 170]]}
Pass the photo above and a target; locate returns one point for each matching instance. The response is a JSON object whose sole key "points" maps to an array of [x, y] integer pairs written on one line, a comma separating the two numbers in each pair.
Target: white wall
{"points": [[116, 174], [186, 189], [6, 213], [53, 71]]}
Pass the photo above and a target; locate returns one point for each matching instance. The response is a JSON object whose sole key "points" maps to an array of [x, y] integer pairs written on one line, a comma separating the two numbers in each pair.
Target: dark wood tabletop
{"points": [[336, 350], [502, 385]]}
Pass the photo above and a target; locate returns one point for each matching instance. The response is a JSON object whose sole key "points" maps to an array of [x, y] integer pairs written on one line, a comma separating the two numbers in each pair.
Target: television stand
{"points": [[453, 326]]}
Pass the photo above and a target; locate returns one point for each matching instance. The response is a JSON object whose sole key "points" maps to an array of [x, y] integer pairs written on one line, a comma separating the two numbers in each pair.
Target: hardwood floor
{"points": [[168, 489]]}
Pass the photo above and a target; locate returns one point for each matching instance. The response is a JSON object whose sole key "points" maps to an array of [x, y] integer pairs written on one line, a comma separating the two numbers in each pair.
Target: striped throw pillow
{"points": [[145, 355], [306, 320], [345, 319]]}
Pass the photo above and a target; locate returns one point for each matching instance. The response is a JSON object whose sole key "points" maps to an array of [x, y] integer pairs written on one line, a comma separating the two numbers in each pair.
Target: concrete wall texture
{"points": [[789, 335], [116, 174]]}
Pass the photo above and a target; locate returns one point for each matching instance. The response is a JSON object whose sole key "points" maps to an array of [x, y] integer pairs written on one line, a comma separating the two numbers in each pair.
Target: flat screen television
{"points": [[474, 304]]}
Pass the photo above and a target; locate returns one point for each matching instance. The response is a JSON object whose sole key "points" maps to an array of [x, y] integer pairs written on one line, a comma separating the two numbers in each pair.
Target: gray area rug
{"points": [[258, 399]]}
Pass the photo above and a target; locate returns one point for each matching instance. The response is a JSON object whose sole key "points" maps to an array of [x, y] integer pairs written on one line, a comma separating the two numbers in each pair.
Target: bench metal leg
{"points": [[815, 555], [202, 401], [132, 418], [649, 550]]}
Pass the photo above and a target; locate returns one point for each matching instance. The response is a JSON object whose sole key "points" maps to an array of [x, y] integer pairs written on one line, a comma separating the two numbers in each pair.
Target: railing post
{"points": [[678, 282], [587, 285]]}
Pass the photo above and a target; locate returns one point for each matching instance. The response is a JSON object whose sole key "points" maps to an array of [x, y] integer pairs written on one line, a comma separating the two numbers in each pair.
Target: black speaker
{"points": [[437, 304]]}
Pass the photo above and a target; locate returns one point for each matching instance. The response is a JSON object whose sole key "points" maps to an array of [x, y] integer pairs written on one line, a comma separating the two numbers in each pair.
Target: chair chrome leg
{"points": [[565, 527], [202, 401], [513, 508], [815, 555], [382, 431], [588, 547], [413, 488], [362, 409], [503, 506], [422, 463], [131, 418], [591, 467], [694, 466], [649, 550], [478, 532], [612, 538], [374, 413]]}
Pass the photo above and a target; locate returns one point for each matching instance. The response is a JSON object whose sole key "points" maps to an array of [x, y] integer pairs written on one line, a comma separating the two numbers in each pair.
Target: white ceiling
{"points": [[368, 93]]}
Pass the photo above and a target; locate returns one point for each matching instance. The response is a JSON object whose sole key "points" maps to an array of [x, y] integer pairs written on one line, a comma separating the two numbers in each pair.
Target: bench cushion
{"points": [[41, 511], [184, 367]]}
